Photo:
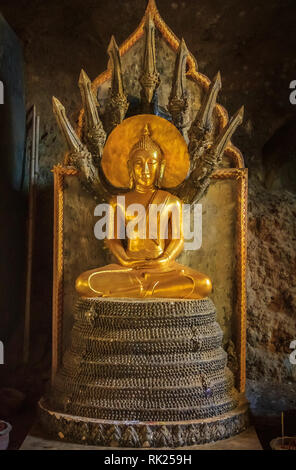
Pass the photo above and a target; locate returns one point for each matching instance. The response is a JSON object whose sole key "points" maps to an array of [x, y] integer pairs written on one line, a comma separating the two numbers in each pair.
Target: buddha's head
{"points": [[146, 163]]}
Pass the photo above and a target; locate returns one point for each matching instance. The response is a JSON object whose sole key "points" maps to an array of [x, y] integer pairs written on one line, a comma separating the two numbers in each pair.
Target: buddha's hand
{"points": [[129, 263], [154, 264]]}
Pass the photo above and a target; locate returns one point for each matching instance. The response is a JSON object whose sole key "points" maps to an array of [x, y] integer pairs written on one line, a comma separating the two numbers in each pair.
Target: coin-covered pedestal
{"points": [[144, 373]]}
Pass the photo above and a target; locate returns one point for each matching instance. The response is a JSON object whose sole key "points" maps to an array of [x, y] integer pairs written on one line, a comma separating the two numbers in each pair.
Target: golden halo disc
{"points": [[126, 135]]}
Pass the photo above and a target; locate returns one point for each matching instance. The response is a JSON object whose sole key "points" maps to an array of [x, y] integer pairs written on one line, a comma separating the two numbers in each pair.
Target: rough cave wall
{"points": [[12, 189], [255, 54]]}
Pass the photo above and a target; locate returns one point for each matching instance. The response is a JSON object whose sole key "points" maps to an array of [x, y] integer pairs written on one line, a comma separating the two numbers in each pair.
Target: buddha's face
{"points": [[145, 165]]}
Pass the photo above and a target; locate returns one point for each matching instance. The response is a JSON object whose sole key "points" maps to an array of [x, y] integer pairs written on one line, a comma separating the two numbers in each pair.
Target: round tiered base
{"points": [[144, 373], [128, 434]]}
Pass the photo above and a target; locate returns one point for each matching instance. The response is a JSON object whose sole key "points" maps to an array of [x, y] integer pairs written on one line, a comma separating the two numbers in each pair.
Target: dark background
{"points": [[253, 44]]}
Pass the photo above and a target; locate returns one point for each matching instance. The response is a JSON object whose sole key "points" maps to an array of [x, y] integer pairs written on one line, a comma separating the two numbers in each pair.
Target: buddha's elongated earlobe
{"points": [[131, 182], [161, 173]]}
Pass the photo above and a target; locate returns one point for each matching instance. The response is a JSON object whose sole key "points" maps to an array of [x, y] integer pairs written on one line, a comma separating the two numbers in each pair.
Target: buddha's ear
{"points": [[161, 172], [130, 173]]}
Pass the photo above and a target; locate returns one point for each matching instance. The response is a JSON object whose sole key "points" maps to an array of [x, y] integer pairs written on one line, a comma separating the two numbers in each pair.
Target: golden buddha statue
{"points": [[146, 265]]}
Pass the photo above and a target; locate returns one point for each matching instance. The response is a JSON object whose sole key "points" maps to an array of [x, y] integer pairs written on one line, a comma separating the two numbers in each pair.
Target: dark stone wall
{"points": [[252, 43]]}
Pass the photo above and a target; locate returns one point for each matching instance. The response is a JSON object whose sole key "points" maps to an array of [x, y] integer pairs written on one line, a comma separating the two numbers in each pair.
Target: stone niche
{"points": [[84, 376]]}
